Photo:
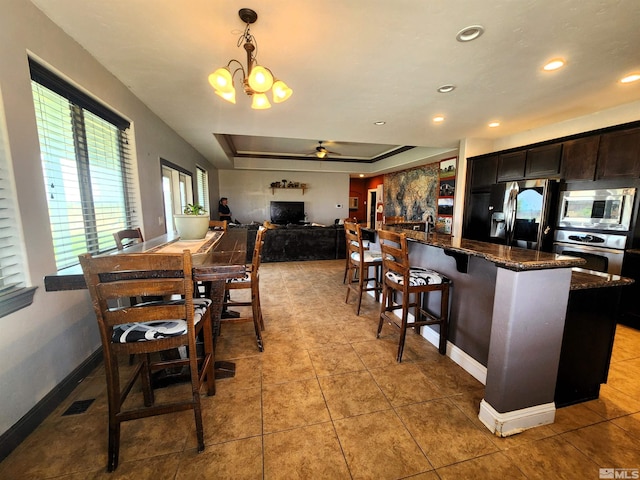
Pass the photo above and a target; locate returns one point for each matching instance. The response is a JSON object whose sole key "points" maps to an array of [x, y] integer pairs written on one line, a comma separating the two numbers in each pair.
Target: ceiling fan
{"points": [[322, 152]]}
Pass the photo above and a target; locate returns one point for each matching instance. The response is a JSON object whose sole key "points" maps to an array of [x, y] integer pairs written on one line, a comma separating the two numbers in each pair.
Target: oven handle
{"points": [[579, 246]]}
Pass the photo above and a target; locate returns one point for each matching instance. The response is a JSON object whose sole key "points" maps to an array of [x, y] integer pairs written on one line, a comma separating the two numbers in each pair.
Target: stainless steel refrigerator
{"points": [[519, 213]]}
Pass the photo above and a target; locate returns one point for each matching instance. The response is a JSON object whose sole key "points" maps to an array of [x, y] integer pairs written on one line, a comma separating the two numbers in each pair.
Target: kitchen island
{"points": [[507, 316]]}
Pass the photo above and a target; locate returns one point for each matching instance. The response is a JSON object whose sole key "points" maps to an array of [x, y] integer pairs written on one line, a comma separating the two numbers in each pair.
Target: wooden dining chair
{"points": [[251, 280], [149, 328], [399, 277], [218, 225], [364, 266], [127, 237]]}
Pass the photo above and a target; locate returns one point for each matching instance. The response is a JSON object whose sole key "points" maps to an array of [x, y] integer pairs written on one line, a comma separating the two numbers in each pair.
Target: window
{"points": [[202, 179], [88, 172], [177, 191], [14, 294]]}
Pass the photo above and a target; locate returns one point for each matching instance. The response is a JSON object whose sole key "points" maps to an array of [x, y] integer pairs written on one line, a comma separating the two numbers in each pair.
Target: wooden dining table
{"points": [[220, 256]]}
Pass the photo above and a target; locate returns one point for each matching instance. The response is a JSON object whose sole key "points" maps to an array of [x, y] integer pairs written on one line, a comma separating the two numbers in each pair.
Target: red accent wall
{"points": [[359, 188]]}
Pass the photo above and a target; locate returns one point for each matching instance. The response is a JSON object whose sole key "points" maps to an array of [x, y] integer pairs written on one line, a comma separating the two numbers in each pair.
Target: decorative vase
{"points": [[191, 227]]}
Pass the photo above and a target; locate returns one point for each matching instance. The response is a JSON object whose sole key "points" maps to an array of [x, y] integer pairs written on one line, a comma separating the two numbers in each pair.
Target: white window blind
{"points": [[14, 294], [87, 170], [202, 179], [10, 254]]}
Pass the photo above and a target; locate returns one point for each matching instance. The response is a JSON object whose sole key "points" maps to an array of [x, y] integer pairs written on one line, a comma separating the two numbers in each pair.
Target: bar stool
{"points": [[218, 225], [400, 277], [360, 261], [127, 237], [251, 281], [365, 245]]}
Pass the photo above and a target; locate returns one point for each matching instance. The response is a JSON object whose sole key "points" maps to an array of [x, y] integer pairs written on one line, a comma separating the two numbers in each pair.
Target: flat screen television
{"points": [[283, 213]]}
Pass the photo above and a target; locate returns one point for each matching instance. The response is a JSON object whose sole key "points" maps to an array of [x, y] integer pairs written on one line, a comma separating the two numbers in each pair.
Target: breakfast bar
{"points": [[507, 315]]}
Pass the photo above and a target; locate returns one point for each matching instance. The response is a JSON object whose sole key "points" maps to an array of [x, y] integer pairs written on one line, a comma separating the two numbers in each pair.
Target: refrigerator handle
{"points": [[510, 214]]}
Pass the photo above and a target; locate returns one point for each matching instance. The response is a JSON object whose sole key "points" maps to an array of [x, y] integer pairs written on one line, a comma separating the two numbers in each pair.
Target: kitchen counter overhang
{"points": [[517, 259], [511, 258]]}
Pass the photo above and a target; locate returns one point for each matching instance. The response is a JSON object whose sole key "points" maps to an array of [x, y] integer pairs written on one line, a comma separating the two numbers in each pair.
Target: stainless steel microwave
{"points": [[606, 209]]}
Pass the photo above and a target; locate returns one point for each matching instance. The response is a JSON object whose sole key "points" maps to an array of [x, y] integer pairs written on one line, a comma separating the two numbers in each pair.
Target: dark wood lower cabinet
{"points": [[587, 343]]}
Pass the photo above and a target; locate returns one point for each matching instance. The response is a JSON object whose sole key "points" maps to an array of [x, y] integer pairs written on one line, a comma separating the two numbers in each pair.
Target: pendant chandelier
{"points": [[257, 80]]}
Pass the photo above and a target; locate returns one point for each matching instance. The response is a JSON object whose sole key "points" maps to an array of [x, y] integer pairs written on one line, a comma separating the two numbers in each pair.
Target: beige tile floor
{"points": [[327, 400]]}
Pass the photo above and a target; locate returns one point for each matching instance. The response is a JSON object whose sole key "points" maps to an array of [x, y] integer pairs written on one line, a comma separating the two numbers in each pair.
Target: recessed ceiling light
{"points": [[446, 88], [438, 119], [554, 64], [632, 77], [379, 123], [470, 33], [494, 124], [361, 175]]}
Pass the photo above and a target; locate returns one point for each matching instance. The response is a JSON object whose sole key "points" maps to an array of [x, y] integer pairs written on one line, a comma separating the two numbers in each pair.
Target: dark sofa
{"points": [[288, 243]]}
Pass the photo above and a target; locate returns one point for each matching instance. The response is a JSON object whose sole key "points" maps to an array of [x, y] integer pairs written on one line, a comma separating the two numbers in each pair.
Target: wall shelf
{"points": [[273, 189]]}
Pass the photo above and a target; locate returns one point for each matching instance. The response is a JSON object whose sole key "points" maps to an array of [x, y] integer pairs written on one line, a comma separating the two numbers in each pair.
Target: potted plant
{"points": [[193, 224]]}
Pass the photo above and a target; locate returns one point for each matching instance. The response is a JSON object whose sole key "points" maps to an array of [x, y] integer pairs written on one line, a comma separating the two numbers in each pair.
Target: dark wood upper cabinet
{"points": [[619, 154], [543, 162], [484, 171], [579, 158], [511, 166]]}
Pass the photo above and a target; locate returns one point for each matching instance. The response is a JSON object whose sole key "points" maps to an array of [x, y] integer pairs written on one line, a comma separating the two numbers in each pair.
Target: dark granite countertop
{"points": [[511, 258], [582, 279], [633, 251]]}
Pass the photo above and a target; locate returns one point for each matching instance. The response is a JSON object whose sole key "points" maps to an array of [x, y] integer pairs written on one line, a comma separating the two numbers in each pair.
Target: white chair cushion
{"points": [[417, 276], [144, 331], [246, 278], [369, 256], [365, 243]]}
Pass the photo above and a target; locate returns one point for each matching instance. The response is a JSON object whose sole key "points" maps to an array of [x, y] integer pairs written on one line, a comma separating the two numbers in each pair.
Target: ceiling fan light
{"points": [[222, 80], [228, 96], [260, 79], [281, 91], [260, 102], [321, 153]]}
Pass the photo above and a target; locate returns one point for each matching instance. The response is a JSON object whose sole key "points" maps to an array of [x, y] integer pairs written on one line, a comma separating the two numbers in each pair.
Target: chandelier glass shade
{"points": [[257, 80]]}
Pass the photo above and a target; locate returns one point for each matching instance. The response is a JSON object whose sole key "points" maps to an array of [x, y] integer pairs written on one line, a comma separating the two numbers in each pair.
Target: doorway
{"points": [[371, 208]]}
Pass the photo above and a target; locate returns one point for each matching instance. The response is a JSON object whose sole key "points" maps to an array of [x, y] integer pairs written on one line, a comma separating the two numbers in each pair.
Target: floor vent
{"points": [[77, 407]]}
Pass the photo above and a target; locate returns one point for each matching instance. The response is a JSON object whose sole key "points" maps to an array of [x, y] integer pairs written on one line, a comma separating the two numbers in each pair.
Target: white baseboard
{"points": [[466, 361], [510, 423]]}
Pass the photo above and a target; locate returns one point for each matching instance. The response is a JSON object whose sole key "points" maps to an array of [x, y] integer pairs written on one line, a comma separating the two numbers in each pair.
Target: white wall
{"points": [[41, 344], [249, 194]]}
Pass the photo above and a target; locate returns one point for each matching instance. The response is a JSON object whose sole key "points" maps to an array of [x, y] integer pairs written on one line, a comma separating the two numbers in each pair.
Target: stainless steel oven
{"points": [[602, 251], [605, 209]]}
